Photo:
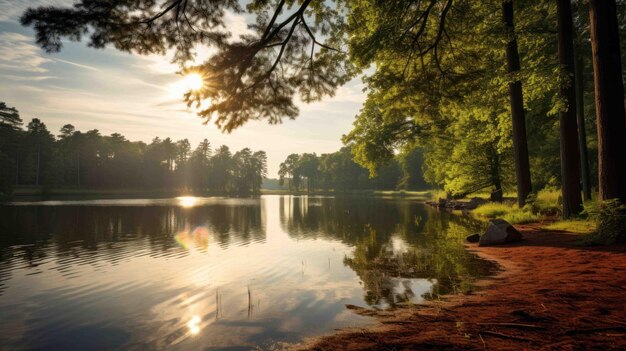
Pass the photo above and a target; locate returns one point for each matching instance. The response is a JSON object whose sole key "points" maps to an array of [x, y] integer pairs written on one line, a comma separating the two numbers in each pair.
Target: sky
{"points": [[140, 97]]}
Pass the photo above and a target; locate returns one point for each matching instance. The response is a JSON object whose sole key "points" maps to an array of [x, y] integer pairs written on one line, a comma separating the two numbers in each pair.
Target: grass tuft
{"points": [[507, 211], [579, 226], [547, 201]]}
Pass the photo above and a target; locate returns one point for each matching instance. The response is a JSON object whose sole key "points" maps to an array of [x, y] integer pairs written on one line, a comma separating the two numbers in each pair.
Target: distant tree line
{"points": [[338, 171], [35, 157]]}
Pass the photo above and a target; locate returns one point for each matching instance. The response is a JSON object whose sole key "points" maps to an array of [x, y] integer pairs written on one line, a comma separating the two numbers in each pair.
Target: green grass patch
{"points": [[549, 198], [579, 226], [507, 211]]}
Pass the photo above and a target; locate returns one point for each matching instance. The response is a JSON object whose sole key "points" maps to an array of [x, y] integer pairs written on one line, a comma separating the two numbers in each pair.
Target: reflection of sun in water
{"points": [[194, 325], [187, 201]]}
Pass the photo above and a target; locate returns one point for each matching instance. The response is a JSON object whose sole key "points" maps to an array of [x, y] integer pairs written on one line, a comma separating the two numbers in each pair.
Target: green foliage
{"points": [[338, 171], [411, 162], [578, 226], [453, 101], [610, 217]]}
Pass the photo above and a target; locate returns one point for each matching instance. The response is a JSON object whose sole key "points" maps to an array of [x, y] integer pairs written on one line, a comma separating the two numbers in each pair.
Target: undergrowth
{"points": [[507, 211], [610, 219]]}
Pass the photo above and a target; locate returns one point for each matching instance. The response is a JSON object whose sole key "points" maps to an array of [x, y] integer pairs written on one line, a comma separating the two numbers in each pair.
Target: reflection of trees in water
{"points": [[344, 218], [28, 232], [393, 241]]}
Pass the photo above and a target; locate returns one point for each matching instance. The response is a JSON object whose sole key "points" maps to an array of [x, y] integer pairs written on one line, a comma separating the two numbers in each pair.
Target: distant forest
{"points": [[338, 171], [73, 159]]}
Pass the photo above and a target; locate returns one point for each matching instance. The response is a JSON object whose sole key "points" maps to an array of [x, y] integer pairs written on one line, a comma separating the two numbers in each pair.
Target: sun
{"points": [[193, 82]]}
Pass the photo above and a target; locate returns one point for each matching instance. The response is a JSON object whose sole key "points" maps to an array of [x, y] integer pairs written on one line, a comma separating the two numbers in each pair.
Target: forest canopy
{"points": [[73, 159], [338, 171]]}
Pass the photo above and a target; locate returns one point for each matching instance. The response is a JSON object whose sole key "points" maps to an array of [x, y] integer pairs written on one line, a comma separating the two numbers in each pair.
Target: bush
{"points": [[610, 216]]}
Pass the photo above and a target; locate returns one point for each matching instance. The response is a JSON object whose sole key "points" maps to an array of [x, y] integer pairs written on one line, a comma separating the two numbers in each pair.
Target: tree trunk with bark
{"points": [[520, 144], [609, 99], [570, 158], [580, 114]]}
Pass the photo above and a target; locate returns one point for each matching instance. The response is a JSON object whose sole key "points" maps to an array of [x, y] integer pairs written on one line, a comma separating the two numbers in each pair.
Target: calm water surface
{"points": [[217, 273]]}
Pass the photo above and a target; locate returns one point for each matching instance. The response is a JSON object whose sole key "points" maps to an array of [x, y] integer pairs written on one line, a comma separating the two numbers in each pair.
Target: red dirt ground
{"points": [[551, 295]]}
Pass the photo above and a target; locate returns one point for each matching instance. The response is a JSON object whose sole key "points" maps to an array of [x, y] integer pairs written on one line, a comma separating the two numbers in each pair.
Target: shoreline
{"points": [[41, 193], [550, 294]]}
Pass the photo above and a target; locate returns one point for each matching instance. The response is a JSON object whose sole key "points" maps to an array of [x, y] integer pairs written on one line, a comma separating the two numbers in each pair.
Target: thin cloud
{"points": [[26, 78], [77, 64], [19, 54]]}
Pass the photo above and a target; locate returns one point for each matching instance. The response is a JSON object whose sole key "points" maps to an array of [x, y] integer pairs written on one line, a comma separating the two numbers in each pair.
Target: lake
{"points": [[218, 273]]}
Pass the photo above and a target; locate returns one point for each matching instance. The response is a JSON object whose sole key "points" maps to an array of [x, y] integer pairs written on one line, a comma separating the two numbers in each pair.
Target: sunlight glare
{"points": [[194, 325], [187, 201], [193, 81]]}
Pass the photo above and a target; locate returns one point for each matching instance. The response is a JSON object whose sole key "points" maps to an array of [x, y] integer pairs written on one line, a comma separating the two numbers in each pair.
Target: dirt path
{"points": [[551, 295]]}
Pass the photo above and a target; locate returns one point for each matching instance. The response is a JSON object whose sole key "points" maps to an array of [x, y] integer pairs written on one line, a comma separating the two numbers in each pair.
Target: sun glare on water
{"points": [[194, 325], [187, 201]]}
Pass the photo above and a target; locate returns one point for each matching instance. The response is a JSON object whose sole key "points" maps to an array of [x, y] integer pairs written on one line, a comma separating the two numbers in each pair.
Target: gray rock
{"points": [[474, 238], [499, 232]]}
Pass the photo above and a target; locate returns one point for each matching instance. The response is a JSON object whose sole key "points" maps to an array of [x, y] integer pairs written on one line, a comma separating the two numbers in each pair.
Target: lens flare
{"points": [[198, 238]]}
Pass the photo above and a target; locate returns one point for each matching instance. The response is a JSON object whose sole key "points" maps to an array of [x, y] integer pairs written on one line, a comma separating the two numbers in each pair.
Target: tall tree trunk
{"points": [[580, 114], [609, 90], [520, 144], [570, 157]]}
